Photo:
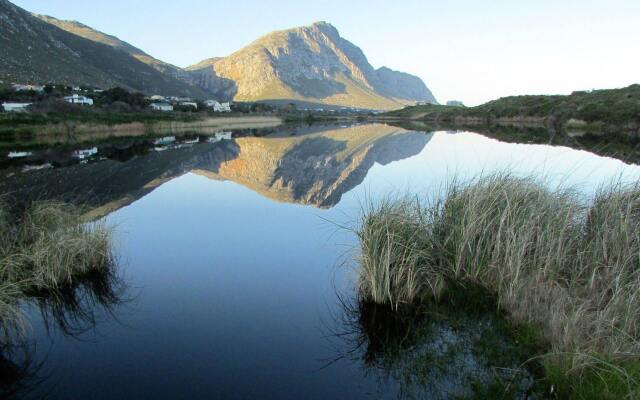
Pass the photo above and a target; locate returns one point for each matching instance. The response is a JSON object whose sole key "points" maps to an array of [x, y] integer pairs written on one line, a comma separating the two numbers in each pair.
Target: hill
{"points": [[598, 109]]}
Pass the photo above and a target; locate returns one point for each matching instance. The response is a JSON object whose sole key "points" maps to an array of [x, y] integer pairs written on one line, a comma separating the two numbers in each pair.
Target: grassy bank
{"points": [[56, 131], [596, 111], [44, 251], [566, 267]]}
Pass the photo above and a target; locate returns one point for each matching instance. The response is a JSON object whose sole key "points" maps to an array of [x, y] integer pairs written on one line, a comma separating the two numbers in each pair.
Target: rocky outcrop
{"points": [[400, 85]]}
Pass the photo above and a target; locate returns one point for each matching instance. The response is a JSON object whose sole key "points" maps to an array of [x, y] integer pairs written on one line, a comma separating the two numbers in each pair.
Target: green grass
{"points": [[553, 259], [597, 108], [45, 250]]}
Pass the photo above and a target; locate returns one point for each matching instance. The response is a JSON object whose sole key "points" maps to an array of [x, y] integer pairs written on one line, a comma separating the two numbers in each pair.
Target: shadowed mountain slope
{"points": [[32, 50]]}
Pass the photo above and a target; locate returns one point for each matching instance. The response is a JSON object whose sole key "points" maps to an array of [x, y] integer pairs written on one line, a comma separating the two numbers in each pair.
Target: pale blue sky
{"points": [[463, 49]]}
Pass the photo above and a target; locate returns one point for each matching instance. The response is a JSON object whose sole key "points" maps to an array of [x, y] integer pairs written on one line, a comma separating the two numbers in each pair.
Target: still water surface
{"points": [[232, 262]]}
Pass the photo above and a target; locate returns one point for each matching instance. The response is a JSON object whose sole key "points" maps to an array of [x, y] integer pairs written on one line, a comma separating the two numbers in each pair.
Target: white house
{"points": [[224, 135], [157, 97], [189, 104], [164, 140], [26, 88], [77, 99], [85, 153], [161, 107], [20, 154], [219, 136], [218, 107], [15, 107]]}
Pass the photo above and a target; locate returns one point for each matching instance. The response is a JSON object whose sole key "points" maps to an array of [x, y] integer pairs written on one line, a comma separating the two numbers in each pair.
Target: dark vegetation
{"points": [[460, 345], [614, 144]]}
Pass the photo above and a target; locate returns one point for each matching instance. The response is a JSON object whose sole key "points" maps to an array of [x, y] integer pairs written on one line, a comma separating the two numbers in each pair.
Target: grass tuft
{"points": [[553, 259], [45, 250]]}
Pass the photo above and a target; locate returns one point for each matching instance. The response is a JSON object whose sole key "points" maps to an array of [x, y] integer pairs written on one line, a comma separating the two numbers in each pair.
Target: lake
{"points": [[236, 268]]}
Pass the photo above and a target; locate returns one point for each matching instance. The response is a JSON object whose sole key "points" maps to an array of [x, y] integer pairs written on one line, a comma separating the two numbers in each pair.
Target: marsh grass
{"points": [[565, 265], [45, 250]]}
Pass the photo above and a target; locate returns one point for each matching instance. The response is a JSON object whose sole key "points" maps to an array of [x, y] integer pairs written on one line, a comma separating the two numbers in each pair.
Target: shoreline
{"points": [[572, 127], [78, 132]]}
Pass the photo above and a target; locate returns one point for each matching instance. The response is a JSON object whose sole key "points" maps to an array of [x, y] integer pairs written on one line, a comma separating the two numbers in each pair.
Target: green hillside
{"points": [[610, 106]]}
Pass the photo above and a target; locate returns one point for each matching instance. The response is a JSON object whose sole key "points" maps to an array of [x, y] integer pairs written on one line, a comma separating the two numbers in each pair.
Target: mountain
{"points": [[312, 64], [82, 30], [38, 50]]}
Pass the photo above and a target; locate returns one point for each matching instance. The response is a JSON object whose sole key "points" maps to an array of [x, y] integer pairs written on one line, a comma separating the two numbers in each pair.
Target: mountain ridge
{"points": [[35, 51], [311, 63]]}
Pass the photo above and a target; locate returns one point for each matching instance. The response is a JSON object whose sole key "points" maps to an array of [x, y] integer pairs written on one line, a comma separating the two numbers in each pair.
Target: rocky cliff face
{"points": [[315, 64], [400, 85]]}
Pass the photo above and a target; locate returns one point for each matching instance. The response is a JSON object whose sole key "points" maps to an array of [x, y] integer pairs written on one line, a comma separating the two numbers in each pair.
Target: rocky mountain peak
{"points": [[311, 63]]}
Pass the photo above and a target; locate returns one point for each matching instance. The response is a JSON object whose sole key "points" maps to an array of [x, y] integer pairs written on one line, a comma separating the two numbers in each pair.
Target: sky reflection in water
{"points": [[233, 283]]}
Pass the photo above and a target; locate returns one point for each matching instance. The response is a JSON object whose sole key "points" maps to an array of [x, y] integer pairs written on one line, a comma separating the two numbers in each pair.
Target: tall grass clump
{"points": [[44, 249], [558, 261], [395, 259]]}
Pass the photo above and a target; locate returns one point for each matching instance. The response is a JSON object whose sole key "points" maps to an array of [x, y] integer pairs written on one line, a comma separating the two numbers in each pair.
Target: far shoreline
{"points": [[79, 131]]}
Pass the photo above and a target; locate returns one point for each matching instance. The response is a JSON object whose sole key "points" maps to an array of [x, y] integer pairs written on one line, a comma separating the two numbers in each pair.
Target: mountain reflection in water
{"points": [[312, 168], [227, 239]]}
